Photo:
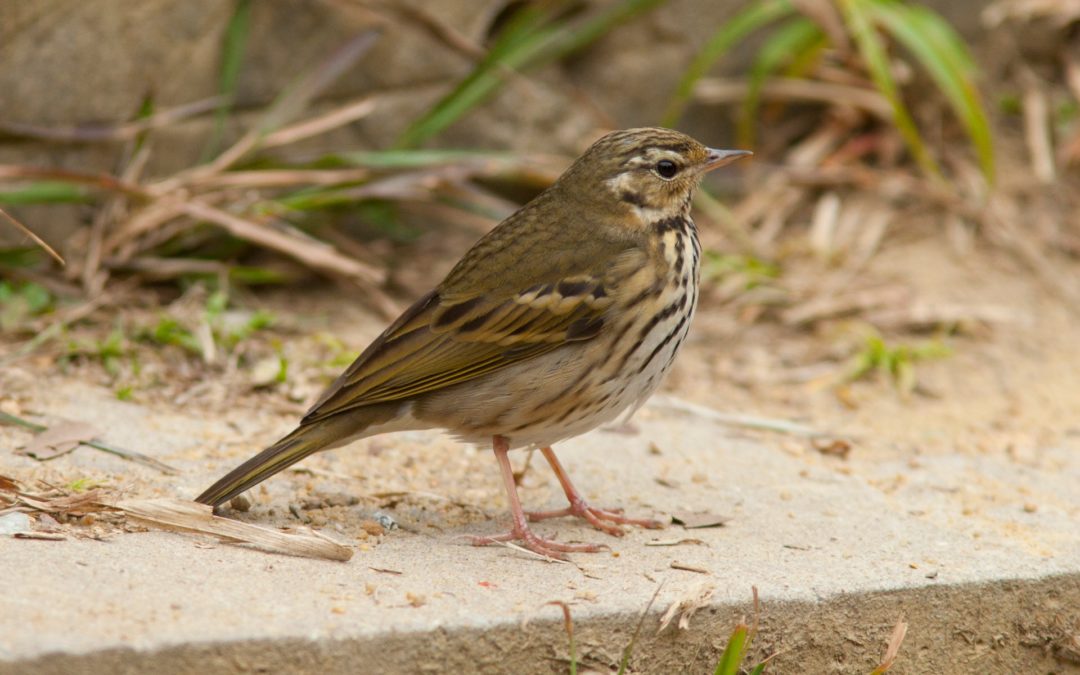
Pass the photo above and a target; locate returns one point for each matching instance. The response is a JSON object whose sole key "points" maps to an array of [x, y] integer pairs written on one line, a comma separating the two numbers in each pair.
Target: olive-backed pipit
{"points": [[564, 316]]}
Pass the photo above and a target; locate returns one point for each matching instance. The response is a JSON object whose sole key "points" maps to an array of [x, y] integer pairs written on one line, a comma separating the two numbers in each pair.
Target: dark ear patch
{"points": [[635, 198]]}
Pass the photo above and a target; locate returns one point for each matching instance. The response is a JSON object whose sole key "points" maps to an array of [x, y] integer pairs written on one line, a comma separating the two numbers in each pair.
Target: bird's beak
{"points": [[718, 158]]}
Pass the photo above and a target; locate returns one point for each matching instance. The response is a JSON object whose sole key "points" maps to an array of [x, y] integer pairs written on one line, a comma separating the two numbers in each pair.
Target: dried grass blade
{"points": [[115, 132], [718, 90], [309, 251], [1037, 128], [321, 124], [33, 237]]}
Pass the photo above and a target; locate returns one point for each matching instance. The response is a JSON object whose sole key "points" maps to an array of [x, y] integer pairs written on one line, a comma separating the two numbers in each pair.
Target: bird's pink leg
{"points": [[520, 531], [580, 508]]}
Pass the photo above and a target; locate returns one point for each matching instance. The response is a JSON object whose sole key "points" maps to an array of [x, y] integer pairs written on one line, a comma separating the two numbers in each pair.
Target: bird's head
{"points": [[651, 172]]}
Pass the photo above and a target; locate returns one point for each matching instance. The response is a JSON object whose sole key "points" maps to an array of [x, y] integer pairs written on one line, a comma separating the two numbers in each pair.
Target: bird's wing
{"points": [[440, 342]]}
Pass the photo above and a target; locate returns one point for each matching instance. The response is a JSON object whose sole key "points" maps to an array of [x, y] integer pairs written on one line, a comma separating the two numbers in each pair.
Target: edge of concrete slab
{"points": [[1002, 626]]}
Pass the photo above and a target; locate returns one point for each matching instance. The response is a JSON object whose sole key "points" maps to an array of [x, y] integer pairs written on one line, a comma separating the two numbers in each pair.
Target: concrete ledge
{"points": [[837, 561]]}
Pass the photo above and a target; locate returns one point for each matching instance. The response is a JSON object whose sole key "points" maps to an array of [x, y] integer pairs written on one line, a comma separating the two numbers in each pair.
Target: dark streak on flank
{"points": [[664, 342], [657, 318]]}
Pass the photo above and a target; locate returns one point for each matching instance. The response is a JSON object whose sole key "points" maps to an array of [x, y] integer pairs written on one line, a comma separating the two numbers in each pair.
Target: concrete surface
{"points": [[837, 556]]}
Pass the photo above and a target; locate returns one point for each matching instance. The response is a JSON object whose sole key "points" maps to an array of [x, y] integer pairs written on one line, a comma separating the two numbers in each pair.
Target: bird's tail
{"points": [[305, 440]]}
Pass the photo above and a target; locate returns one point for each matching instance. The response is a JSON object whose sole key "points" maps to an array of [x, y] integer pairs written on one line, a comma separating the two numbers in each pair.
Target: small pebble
{"points": [[240, 503], [388, 523]]}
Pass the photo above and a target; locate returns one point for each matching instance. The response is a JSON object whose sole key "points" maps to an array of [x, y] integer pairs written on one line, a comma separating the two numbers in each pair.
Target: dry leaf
{"points": [[686, 606], [699, 519], [59, 440]]}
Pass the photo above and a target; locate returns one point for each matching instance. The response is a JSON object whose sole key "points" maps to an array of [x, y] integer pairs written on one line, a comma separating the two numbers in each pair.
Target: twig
{"points": [[129, 455]]}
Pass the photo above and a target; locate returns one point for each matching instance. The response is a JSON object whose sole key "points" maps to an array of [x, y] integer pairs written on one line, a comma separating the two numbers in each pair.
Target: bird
{"points": [[564, 317]]}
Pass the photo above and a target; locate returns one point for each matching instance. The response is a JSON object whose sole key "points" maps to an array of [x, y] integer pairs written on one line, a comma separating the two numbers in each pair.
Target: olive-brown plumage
{"points": [[564, 316]]}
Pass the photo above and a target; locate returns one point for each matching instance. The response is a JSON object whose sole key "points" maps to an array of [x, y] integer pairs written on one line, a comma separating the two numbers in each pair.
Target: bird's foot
{"points": [[605, 520], [537, 544]]}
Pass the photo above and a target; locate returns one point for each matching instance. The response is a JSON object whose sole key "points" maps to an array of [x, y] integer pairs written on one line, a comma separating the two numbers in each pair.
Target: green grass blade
{"points": [[876, 59], [532, 39], [733, 652], [790, 42], [45, 192], [517, 43], [573, 38], [727, 36], [414, 159], [232, 56], [943, 54]]}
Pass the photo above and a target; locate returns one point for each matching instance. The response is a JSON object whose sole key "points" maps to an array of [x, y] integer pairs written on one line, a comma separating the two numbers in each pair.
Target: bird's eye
{"points": [[666, 168]]}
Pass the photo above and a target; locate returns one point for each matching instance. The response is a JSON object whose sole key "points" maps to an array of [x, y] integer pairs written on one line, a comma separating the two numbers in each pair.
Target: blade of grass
{"points": [[515, 46], [568, 624], [311, 252], [45, 192], [733, 652], [284, 108], [533, 38], [94, 180], [129, 455], [574, 38], [876, 58], [232, 56], [112, 132], [321, 124], [790, 41], [624, 663], [943, 54], [728, 35], [413, 158]]}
